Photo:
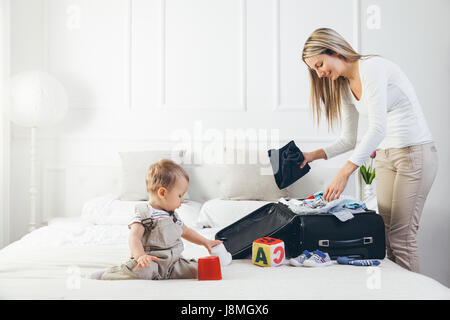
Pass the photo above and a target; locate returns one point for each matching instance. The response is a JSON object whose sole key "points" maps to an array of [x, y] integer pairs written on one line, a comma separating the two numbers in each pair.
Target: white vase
{"points": [[368, 192]]}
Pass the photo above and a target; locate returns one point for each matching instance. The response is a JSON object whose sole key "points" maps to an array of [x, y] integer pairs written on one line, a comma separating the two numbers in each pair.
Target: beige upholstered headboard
{"points": [[66, 189]]}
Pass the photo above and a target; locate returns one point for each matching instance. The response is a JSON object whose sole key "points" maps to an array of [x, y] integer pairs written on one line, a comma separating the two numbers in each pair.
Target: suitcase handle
{"points": [[345, 243]]}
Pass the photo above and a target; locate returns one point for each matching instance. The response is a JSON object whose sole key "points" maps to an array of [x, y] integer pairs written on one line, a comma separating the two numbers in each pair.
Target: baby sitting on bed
{"points": [[155, 231]]}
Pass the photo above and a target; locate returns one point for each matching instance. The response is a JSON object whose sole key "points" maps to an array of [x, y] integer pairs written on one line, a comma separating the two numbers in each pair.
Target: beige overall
{"points": [[162, 239]]}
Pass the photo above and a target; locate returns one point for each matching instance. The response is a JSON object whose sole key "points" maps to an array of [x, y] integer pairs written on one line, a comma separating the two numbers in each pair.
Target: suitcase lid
{"points": [[260, 223]]}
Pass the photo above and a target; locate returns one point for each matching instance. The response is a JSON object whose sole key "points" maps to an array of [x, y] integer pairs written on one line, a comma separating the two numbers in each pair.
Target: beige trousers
{"points": [[404, 177]]}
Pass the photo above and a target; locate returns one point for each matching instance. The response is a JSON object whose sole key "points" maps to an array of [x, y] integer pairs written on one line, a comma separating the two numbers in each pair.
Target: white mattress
{"points": [[53, 263]]}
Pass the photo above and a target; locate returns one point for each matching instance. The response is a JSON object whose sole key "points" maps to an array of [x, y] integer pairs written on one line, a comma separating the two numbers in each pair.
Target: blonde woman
{"points": [[344, 85]]}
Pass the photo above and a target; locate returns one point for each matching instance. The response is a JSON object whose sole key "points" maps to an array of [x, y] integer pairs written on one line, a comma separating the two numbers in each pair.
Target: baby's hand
{"points": [[144, 261], [211, 243]]}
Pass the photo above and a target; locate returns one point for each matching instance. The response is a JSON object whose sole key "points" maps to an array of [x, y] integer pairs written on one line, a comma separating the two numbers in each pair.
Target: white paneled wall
{"points": [[203, 54], [415, 36], [4, 123], [290, 20], [87, 48], [143, 74]]}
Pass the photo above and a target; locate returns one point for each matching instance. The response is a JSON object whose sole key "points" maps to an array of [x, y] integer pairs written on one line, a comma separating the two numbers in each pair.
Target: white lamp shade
{"points": [[36, 99]]}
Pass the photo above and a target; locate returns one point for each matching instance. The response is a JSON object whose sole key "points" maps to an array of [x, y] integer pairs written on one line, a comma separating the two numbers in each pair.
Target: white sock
{"points": [[97, 275]]}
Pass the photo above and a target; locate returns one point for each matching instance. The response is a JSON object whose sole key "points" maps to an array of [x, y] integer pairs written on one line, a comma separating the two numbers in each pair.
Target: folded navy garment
{"points": [[286, 164]]}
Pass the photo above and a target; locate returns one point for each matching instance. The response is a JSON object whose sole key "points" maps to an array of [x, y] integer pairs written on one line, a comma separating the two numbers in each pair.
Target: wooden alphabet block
{"points": [[268, 252]]}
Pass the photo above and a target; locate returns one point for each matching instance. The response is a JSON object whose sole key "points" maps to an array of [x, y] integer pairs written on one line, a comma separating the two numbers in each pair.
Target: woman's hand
{"points": [[309, 157], [211, 243], [337, 186], [144, 261]]}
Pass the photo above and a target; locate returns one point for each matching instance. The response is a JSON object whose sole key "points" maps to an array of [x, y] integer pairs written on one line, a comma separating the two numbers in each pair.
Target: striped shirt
{"points": [[155, 214]]}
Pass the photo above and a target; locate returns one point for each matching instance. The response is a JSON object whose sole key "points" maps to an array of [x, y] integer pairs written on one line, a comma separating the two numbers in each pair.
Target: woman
{"points": [[345, 84]]}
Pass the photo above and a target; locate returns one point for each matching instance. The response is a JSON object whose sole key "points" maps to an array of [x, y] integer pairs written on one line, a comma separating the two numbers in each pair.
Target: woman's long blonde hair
{"points": [[324, 90]]}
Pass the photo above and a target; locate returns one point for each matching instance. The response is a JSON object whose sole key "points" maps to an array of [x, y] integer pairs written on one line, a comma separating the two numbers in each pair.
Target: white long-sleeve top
{"points": [[389, 101]]}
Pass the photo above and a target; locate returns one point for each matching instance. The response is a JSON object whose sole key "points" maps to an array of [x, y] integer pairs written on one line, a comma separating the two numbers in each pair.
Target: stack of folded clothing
{"points": [[342, 208]]}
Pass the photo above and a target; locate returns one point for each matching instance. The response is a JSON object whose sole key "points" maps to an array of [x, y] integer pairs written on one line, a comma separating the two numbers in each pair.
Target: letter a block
{"points": [[268, 252]]}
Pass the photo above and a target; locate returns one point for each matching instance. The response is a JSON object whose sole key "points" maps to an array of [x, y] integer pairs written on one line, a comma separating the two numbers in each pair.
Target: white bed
{"points": [[54, 261]]}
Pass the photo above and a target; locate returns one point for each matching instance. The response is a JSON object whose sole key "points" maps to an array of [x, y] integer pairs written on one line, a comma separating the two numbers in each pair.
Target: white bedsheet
{"points": [[53, 263]]}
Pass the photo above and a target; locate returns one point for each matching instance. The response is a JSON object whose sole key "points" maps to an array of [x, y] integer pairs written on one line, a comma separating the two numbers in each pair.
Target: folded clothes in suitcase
{"points": [[361, 237]]}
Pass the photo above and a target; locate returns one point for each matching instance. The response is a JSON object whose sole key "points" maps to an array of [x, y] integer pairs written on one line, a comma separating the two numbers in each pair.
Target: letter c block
{"points": [[268, 252]]}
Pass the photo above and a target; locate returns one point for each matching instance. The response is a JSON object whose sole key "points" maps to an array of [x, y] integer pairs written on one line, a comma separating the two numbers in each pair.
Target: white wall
{"points": [[414, 34], [4, 124], [138, 71]]}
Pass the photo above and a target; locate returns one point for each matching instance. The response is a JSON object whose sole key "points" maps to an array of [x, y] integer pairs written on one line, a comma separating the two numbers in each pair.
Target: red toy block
{"points": [[209, 268]]}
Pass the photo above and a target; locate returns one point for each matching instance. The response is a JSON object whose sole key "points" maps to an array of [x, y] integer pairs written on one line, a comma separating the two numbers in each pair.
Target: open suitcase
{"points": [[362, 237]]}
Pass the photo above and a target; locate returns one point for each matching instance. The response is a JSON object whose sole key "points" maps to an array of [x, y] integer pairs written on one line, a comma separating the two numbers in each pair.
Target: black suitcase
{"points": [[361, 237]]}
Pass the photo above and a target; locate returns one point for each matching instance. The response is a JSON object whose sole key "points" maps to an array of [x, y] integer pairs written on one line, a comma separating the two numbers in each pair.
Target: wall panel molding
{"points": [[277, 105], [77, 102], [276, 55], [242, 105], [162, 57], [306, 139], [128, 38]]}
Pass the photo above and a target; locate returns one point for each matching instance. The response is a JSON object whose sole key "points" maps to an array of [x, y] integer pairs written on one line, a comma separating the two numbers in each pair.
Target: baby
{"points": [[155, 231]]}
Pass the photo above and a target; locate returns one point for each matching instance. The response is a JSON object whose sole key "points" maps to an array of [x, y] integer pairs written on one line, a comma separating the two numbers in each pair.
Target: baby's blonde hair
{"points": [[163, 173]]}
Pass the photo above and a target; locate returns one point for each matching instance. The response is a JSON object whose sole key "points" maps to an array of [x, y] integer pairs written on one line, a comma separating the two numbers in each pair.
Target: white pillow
{"points": [[232, 182], [134, 169], [109, 210], [245, 182], [189, 211], [219, 213]]}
